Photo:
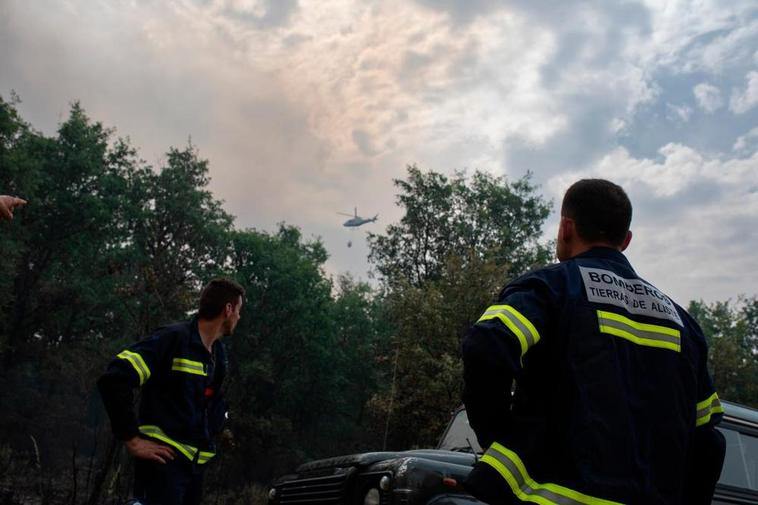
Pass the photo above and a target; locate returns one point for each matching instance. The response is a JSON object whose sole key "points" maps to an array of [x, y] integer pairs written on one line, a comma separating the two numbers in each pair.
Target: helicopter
{"points": [[357, 220]]}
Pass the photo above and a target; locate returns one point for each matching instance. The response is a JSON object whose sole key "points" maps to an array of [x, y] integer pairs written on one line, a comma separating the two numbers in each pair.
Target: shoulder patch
{"points": [[634, 295]]}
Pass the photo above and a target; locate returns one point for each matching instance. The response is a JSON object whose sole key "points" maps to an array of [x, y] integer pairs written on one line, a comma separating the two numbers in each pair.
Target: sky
{"points": [[308, 108]]}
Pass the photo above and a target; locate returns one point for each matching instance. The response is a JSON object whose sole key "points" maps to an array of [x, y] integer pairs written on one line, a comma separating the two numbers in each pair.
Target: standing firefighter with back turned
{"points": [[180, 369], [612, 401]]}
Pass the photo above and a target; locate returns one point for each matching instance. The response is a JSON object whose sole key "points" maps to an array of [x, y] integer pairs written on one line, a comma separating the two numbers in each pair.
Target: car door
{"points": [[738, 483]]}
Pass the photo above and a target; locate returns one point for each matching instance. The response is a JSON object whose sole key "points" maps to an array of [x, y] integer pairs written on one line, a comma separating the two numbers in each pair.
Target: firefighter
{"points": [[179, 369], [585, 383]]}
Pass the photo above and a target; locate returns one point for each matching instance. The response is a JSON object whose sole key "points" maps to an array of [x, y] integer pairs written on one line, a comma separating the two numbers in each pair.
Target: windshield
{"points": [[459, 435]]}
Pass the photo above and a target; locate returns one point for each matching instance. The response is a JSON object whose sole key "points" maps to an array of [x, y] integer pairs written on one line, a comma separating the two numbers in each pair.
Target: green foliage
{"points": [[429, 323], [106, 250], [286, 335], [360, 323], [177, 239], [731, 331], [301, 352], [459, 241], [483, 217]]}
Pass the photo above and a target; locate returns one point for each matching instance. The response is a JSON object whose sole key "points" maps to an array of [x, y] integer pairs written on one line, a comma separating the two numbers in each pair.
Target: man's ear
{"points": [[566, 229], [626, 241]]}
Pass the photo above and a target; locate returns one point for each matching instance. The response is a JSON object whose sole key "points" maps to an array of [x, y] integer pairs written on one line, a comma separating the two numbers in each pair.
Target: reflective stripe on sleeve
{"points": [[188, 366], [519, 325], [650, 335], [508, 464], [707, 408], [138, 363], [204, 457], [187, 450]]}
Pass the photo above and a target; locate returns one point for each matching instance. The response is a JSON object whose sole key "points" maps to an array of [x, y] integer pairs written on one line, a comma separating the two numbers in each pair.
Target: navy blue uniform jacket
{"points": [[180, 402], [587, 385]]}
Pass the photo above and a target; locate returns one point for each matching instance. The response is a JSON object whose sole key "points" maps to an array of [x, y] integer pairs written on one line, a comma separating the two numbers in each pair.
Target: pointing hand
{"points": [[7, 204]]}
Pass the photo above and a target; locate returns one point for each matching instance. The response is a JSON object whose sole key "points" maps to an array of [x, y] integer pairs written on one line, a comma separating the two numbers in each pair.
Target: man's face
{"points": [[233, 317]]}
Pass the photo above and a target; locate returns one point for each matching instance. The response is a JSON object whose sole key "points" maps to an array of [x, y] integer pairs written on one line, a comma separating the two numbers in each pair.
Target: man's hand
{"points": [[7, 204], [147, 449], [227, 439]]}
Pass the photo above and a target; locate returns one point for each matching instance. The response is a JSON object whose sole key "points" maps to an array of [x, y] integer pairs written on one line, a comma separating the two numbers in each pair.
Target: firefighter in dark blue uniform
{"points": [[180, 369], [586, 384]]}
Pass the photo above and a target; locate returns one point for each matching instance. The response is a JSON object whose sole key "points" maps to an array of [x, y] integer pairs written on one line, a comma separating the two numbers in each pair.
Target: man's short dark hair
{"points": [[601, 210], [216, 294]]}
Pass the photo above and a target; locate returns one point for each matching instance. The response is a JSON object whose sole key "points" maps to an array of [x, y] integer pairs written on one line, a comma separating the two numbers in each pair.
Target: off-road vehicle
{"points": [[434, 476]]}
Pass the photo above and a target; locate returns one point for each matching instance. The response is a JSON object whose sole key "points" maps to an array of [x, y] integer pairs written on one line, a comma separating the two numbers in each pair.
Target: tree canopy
{"points": [[731, 330], [458, 243], [481, 218]]}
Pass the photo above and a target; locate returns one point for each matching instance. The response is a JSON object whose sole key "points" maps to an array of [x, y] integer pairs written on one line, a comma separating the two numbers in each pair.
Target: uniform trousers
{"points": [[177, 482]]}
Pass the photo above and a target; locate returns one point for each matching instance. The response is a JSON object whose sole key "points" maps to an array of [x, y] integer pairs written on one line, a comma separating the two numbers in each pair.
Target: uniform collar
{"points": [[195, 333], [606, 253]]}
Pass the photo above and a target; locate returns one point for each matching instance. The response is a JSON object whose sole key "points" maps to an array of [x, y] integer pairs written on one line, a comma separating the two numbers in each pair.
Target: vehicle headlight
{"points": [[372, 497], [384, 483]]}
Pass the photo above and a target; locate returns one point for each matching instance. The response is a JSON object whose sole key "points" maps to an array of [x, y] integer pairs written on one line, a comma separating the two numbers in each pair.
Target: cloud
{"points": [[707, 38], [708, 97], [305, 108], [363, 141], [260, 14], [748, 143], [678, 113], [743, 101], [464, 12], [693, 218]]}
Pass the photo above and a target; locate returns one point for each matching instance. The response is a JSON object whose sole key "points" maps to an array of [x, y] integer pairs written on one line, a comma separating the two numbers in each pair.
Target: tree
{"points": [[481, 217], [60, 297], [730, 331], [178, 238], [361, 329], [281, 366], [303, 356], [423, 354], [459, 241], [106, 250]]}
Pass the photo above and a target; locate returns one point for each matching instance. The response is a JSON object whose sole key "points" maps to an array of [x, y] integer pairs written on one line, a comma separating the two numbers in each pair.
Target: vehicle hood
{"points": [[370, 458]]}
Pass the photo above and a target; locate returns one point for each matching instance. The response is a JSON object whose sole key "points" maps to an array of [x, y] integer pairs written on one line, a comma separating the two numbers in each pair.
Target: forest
{"points": [[110, 247]]}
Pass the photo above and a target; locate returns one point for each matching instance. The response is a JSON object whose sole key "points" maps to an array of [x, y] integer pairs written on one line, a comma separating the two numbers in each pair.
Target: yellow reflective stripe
{"points": [[138, 363], [706, 408], [509, 465], [157, 433], [205, 457], [188, 366], [188, 362], [189, 451], [515, 321], [650, 335], [188, 370]]}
